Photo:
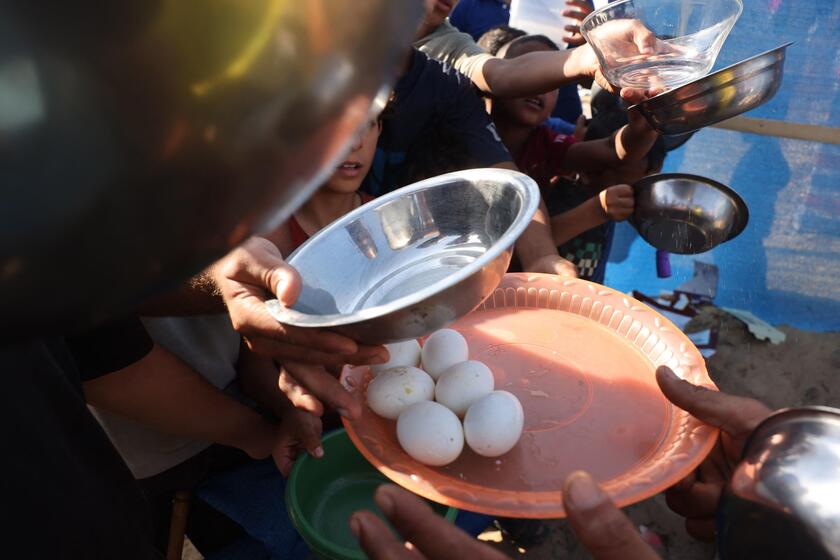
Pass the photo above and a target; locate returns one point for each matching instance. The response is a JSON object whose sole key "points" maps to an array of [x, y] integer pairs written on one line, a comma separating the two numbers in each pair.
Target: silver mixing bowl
{"points": [[719, 96], [687, 214], [414, 260], [782, 500]]}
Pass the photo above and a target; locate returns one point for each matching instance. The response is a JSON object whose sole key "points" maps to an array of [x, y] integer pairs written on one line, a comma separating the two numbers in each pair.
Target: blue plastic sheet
{"points": [[785, 267]]}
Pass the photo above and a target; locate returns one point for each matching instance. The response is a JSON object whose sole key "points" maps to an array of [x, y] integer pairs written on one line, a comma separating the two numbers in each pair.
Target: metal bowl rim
{"points": [[583, 24], [736, 198], [786, 413], [525, 186], [664, 98]]}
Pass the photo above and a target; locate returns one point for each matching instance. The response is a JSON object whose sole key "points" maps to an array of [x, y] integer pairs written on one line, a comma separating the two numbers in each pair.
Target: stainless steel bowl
{"points": [[414, 260], [687, 214], [783, 500], [719, 96]]}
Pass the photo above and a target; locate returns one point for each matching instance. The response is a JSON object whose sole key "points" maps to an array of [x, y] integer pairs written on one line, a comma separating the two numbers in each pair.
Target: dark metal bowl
{"points": [[687, 214], [142, 139], [719, 96], [781, 501]]}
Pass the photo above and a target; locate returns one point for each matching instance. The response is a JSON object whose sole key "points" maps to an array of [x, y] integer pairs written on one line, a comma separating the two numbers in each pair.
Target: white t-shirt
{"points": [[210, 346]]}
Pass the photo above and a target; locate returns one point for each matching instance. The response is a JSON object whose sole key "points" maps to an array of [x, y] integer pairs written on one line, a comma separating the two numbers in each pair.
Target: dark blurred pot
{"points": [[783, 500], [140, 140]]}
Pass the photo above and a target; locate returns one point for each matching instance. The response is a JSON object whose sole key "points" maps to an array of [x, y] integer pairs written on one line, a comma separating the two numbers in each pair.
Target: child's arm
{"points": [[635, 139], [613, 203], [260, 380], [631, 142], [164, 393]]}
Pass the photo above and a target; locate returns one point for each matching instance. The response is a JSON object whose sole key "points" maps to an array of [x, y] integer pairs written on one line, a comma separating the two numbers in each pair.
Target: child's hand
{"points": [[577, 10], [637, 121], [617, 202], [298, 431]]}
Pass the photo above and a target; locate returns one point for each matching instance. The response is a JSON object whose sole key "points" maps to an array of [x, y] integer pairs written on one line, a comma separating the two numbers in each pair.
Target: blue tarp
{"points": [[785, 267]]}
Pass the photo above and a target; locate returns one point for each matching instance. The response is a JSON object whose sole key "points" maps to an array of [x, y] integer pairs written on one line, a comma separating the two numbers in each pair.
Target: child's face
{"points": [[526, 111], [438, 10], [351, 172]]}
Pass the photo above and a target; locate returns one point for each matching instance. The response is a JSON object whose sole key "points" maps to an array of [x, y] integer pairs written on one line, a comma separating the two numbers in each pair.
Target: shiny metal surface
{"points": [[687, 214], [783, 500], [721, 95], [414, 260], [140, 140]]}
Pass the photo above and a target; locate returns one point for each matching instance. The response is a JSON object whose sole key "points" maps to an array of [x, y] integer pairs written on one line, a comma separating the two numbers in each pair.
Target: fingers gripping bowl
{"points": [[414, 260], [721, 95]]}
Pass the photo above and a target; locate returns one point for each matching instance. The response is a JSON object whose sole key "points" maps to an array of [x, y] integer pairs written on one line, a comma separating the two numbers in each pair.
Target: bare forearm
{"points": [[570, 224], [591, 155], [536, 241], [165, 394], [530, 74], [634, 141], [629, 143], [258, 378]]}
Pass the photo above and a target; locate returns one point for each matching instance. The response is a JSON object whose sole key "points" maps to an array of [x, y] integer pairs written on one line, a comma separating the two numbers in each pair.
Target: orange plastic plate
{"points": [[581, 358]]}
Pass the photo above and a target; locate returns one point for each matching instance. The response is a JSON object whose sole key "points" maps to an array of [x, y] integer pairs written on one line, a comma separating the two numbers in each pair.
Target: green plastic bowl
{"points": [[322, 494]]}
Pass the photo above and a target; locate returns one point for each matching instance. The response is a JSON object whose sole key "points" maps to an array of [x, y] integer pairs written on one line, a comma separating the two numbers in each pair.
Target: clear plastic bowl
{"points": [[689, 35]]}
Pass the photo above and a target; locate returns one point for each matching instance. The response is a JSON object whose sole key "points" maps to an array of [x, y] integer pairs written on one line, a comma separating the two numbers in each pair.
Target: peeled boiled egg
{"points": [[493, 424], [430, 433], [394, 390], [402, 354], [442, 350], [463, 384]]}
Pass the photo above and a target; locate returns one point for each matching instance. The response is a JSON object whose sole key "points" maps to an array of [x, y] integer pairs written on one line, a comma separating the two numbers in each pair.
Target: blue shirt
{"points": [[477, 16], [429, 96]]}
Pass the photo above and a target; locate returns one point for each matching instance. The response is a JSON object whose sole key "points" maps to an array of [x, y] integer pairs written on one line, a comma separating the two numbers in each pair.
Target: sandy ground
{"points": [[804, 370]]}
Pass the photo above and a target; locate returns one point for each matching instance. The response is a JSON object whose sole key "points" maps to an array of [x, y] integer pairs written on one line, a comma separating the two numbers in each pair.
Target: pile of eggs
{"points": [[429, 390]]}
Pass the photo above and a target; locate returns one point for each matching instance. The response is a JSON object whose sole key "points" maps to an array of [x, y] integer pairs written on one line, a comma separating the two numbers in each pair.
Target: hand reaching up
{"points": [[577, 10]]}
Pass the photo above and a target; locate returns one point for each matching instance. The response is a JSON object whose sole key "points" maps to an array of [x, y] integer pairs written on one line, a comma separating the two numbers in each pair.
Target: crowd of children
{"points": [[437, 121]]}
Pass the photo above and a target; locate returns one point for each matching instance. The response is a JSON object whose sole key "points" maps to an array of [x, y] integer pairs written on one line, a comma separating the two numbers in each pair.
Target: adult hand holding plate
{"points": [[696, 497]]}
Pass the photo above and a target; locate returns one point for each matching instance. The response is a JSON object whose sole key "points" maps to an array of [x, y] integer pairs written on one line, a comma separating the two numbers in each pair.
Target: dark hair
{"points": [[606, 122], [601, 100], [519, 41], [438, 149], [495, 37]]}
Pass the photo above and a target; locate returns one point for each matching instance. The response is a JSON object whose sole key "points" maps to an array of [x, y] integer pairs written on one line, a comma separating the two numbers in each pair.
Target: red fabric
{"points": [[299, 237], [542, 155], [296, 233]]}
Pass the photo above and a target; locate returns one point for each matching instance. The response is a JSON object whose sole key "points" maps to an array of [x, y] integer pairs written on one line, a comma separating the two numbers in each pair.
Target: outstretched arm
{"points": [[631, 142], [164, 393], [539, 72], [614, 203]]}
